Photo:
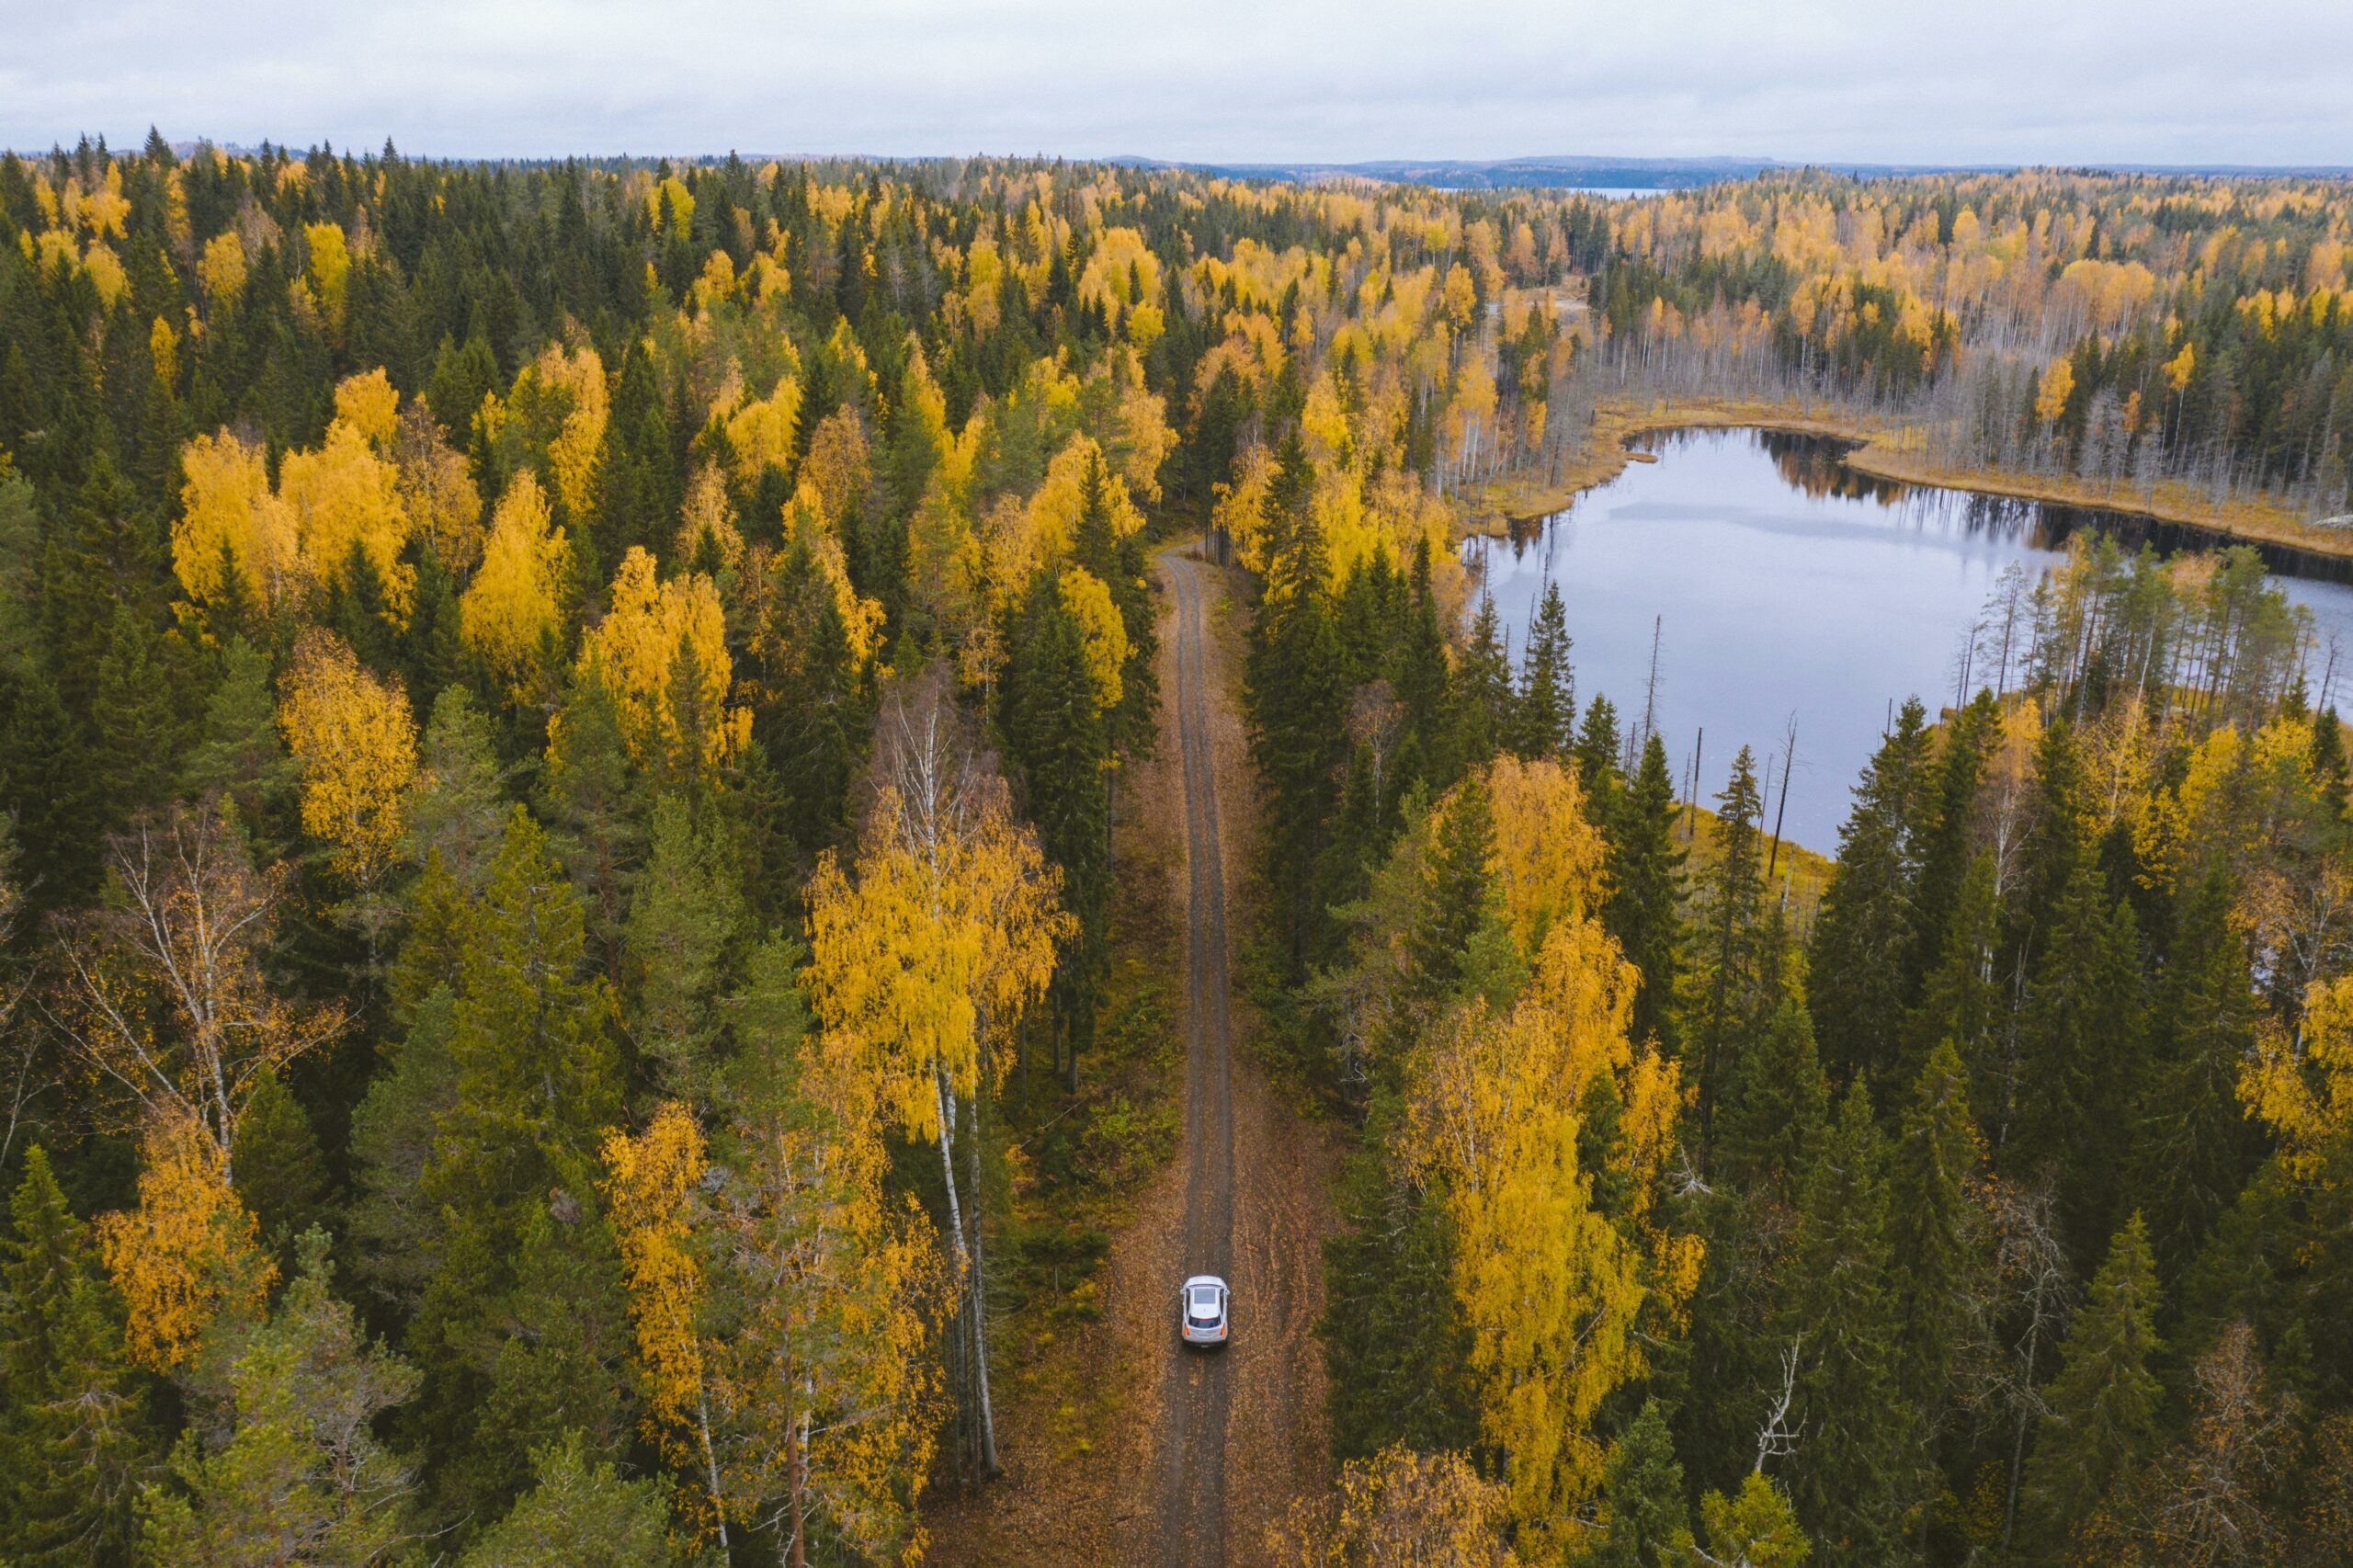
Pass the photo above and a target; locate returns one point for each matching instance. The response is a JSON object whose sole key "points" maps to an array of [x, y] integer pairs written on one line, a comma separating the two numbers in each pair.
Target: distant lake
{"points": [[1785, 585]]}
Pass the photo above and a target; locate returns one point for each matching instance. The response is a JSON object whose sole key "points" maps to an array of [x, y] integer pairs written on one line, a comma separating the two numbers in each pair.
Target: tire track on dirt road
{"points": [[1190, 1478]]}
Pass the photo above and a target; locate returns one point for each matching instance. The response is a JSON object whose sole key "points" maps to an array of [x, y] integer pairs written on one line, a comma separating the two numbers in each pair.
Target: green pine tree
{"points": [[1856, 960], [2192, 1148], [134, 728], [1060, 747], [1642, 1508], [74, 1440], [2082, 1058], [289, 1469], [238, 752], [1487, 710], [1456, 896], [1727, 983], [1963, 1000], [579, 1514], [1296, 704], [686, 926], [1856, 1472], [1775, 1102], [280, 1172], [2106, 1405], [1945, 832], [1643, 909], [1547, 692], [1938, 1257]]}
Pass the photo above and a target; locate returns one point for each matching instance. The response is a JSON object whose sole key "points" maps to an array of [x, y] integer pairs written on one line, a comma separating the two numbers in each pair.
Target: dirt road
{"points": [[1191, 1505], [1120, 1448]]}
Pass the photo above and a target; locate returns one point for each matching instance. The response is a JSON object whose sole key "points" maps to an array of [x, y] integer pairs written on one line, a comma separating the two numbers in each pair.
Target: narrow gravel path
{"points": [[1190, 1479]]}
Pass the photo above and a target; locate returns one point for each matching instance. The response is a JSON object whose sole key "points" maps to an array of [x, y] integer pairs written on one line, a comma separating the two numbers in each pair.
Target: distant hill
{"points": [[1646, 174]]}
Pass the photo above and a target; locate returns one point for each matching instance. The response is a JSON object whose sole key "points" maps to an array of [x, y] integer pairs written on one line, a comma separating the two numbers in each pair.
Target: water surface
{"points": [[1786, 587]]}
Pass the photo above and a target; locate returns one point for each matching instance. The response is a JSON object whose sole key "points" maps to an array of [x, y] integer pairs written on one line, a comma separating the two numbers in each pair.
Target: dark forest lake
{"points": [[1787, 586]]}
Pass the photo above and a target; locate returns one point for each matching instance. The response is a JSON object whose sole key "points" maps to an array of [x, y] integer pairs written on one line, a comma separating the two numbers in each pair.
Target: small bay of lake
{"points": [[1786, 586]]}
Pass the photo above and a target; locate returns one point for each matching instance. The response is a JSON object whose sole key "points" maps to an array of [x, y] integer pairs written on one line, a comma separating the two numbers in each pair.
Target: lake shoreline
{"points": [[1880, 449]]}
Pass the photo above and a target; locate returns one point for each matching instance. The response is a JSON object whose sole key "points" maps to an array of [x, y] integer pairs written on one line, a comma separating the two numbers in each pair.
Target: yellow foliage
{"points": [[649, 1180], [511, 609], [229, 516], [369, 405], [221, 269], [2181, 367], [164, 351], [354, 741], [557, 406], [188, 1253], [107, 275], [2050, 395], [1090, 603], [328, 269], [1551, 859], [2303, 1089], [635, 654], [949, 928], [706, 514], [761, 432], [344, 496], [436, 489], [1551, 1286], [1400, 1508], [861, 619]]}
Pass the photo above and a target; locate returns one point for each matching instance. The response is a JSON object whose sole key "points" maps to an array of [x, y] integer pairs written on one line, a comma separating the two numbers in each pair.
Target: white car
{"points": [[1201, 1312]]}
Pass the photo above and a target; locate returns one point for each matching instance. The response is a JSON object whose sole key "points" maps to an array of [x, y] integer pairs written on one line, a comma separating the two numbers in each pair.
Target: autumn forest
{"points": [[598, 766]]}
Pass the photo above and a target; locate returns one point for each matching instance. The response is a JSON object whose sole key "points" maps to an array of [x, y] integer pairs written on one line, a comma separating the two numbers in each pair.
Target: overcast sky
{"points": [[1992, 81]]}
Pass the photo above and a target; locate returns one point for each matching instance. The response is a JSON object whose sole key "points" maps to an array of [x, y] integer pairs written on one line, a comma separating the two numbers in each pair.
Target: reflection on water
{"points": [[1786, 586]]}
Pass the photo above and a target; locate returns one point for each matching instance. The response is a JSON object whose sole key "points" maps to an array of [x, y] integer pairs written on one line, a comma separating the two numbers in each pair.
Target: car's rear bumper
{"points": [[1202, 1339]]}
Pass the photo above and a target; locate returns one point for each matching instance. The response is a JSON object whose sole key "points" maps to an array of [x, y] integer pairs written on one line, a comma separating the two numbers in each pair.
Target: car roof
{"points": [[1205, 1279]]}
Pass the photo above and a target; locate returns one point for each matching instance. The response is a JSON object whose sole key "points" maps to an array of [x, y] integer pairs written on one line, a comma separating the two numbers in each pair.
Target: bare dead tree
{"points": [[163, 995], [1776, 1437]]}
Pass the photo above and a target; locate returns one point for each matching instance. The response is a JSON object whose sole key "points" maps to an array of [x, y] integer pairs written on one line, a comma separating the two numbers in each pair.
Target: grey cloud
{"points": [[2005, 81]]}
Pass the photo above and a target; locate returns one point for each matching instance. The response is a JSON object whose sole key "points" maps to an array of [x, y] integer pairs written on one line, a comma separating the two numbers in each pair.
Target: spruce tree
{"points": [[533, 1079], [238, 750], [279, 1173], [1641, 1496], [2106, 1403], [2192, 1146], [74, 1441], [1856, 960], [1946, 808], [1455, 897], [1643, 909], [687, 925], [135, 730], [1547, 700], [1596, 749], [2051, 845], [1776, 1104], [1485, 710], [1296, 704], [2082, 1058], [1932, 1237], [1417, 674], [1732, 895], [1963, 1000], [1856, 1472], [1396, 1348], [1060, 749]]}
